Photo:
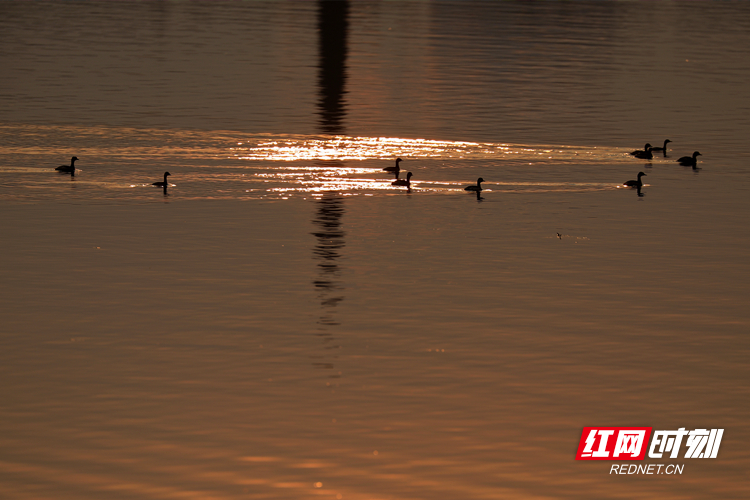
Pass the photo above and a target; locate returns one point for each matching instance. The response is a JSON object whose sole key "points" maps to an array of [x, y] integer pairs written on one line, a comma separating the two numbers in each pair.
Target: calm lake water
{"points": [[283, 323]]}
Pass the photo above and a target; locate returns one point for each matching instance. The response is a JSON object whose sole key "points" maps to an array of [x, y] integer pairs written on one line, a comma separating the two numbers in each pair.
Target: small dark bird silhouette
{"points": [[162, 184], [689, 161], [559, 236], [68, 168], [403, 182], [662, 149], [639, 151], [396, 168], [477, 188], [636, 184]]}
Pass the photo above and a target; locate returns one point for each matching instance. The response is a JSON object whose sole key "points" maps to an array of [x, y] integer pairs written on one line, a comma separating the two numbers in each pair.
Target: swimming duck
{"points": [[641, 151], [476, 188], [403, 182], [396, 168], [68, 168], [644, 155], [664, 148], [689, 161], [164, 183], [635, 184]]}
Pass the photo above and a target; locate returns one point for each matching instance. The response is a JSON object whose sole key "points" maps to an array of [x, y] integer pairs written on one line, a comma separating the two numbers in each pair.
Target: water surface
{"points": [[285, 323]]}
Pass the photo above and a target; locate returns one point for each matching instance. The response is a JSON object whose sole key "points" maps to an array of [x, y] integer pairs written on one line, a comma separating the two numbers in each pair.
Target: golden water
{"points": [[284, 323]]}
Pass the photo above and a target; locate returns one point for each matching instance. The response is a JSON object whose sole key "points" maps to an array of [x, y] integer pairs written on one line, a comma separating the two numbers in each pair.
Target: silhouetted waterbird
{"points": [[689, 161], [663, 148], [636, 184], [164, 183], [644, 155], [403, 182], [396, 168], [476, 188], [68, 168]]}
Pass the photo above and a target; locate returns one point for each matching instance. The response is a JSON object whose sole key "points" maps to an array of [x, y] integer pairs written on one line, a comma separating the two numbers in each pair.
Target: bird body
{"points": [[164, 183], [68, 168], [689, 161], [641, 151], [396, 168], [636, 184], [644, 155], [477, 188], [403, 182]]}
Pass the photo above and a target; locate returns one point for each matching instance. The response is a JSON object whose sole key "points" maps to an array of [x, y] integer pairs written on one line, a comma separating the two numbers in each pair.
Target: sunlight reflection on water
{"points": [[216, 165], [293, 148], [321, 331]]}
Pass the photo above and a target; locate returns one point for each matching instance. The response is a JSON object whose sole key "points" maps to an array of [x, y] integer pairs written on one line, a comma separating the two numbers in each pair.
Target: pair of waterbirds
{"points": [[407, 182], [71, 169]]}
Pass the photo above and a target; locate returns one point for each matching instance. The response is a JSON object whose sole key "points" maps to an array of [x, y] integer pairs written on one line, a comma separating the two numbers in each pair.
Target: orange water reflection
{"points": [[237, 165], [296, 148]]}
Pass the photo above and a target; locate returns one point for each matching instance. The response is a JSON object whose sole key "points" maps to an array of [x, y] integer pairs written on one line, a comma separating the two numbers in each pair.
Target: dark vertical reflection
{"points": [[332, 29], [327, 250], [333, 23], [330, 241]]}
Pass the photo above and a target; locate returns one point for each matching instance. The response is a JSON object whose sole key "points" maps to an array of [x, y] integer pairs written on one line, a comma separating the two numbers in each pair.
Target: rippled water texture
{"points": [[283, 322]]}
